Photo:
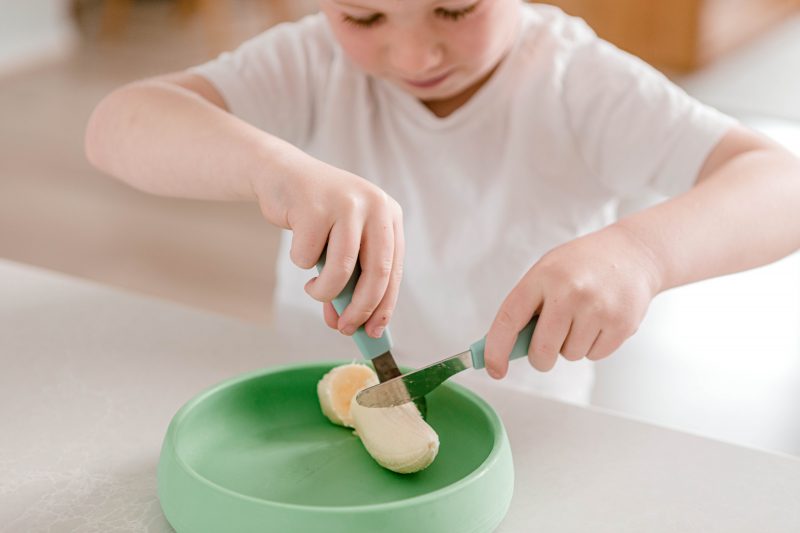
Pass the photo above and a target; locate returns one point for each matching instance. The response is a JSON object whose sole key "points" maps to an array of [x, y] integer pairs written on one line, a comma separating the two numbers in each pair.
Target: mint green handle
{"points": [[370, 347], [520, 347]]}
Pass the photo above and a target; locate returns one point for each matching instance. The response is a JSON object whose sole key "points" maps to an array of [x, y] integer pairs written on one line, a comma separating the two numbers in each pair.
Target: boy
{"points": [[506, 132]]}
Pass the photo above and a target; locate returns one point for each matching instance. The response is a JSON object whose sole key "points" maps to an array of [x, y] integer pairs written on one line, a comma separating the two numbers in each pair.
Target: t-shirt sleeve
{"points": [[635, 129], [269, 81]]}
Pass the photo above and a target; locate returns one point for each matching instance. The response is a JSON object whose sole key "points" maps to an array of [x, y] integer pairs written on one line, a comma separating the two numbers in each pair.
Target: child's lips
{"points": [[429, 82]]}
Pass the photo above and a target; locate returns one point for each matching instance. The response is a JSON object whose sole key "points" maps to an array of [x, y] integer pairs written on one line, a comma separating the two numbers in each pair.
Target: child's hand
{"points": [[324, 205], [590, 293]]}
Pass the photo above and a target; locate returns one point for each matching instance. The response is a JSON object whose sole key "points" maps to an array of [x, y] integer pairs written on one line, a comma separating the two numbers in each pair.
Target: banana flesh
{"points": [[338, 387], [398, 438]]}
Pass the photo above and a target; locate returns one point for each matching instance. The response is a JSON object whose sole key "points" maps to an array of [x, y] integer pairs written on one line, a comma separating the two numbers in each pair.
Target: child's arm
{"points": [[173, 136], [592, 293]]}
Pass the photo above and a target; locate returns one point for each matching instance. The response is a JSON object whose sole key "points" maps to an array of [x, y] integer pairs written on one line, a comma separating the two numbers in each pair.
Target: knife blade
{"points": [[413, 385]]}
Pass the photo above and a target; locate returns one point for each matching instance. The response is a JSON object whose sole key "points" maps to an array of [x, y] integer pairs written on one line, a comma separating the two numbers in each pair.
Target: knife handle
{"points": [[370, 347], [520, 348]]}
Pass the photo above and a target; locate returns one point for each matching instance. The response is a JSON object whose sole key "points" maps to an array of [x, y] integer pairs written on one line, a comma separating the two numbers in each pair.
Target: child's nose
{"points": [[413, 56]]}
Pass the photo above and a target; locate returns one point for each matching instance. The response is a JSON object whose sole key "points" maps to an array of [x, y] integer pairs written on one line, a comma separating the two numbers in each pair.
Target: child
{"points": [[507, 132]]}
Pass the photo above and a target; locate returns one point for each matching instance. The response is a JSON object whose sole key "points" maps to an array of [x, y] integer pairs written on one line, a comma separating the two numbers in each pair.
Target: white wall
{"points": [[34, 30]]}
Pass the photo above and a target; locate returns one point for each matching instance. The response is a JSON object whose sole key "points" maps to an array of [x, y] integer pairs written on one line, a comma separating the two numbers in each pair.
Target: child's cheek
{"points": [[358, 46], [484, 38], [472, 42]]}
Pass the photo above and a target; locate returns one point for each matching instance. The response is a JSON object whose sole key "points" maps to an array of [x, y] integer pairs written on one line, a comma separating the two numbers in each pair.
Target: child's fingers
{"points": [[606, 344], [383, 313], [377, 255], [341, 258], [515, 312], [330, 315], [581, 337], [309, 236], [551, 330]]}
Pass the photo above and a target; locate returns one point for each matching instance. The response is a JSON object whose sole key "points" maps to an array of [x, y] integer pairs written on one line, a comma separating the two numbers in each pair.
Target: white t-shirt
{"points": [[566, 127]]}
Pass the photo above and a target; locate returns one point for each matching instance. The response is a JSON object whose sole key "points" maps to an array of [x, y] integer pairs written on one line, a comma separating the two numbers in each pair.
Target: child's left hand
{"points": [[590, 293]]}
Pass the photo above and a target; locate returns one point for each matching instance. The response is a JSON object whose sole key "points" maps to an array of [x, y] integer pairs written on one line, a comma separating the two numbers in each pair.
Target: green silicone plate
{"points": [[256, 454]]}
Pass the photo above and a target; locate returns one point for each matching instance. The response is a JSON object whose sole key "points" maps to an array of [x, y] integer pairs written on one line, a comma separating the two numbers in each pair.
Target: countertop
{"points": [[90, 378]]}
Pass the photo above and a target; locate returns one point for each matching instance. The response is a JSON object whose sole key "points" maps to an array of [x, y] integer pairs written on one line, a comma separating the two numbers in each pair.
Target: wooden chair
{"points": [[217, 16], [679, 35]]}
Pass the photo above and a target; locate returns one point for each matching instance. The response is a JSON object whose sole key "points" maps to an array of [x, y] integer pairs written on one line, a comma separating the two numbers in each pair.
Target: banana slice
{"points": [[398, 438], [338, 387]]}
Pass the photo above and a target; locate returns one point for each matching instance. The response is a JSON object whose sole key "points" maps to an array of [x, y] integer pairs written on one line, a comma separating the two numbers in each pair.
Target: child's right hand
{"points": [[323, 205]]}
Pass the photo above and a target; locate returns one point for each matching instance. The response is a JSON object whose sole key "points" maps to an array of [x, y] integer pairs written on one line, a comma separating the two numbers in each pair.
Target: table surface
{"points": [[90, 378]]}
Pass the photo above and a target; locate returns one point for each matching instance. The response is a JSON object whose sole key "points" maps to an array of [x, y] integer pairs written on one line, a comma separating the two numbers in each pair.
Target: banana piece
{"points": [[398, 438], [338, 387]]}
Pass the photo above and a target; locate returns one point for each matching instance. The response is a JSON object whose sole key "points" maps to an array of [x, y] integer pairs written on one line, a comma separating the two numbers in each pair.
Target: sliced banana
{"points": [[398, 438], [338, 387]]}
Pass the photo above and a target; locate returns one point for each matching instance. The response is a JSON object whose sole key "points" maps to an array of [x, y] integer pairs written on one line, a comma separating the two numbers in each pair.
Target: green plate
{"points": [[256, 454]]}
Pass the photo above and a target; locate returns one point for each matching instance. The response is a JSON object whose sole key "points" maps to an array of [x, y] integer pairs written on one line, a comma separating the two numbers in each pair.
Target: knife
{"points": [[378, 351], [416, 384]]}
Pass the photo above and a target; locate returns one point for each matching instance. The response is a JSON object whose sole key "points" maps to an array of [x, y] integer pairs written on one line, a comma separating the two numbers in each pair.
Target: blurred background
{"points": [[720, 358]]}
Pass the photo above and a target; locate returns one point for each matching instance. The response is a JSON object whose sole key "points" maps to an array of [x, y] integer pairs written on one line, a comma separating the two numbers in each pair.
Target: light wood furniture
{"points": [[679, 35], [218, 18]]}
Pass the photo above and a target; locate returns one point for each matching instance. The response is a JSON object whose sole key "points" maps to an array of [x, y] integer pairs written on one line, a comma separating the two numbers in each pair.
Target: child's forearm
{"points": [[167, 140], [745, 214]]}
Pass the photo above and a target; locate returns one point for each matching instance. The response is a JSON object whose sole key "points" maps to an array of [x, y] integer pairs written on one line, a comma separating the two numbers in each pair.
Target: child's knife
{"points": [[416, 384]]}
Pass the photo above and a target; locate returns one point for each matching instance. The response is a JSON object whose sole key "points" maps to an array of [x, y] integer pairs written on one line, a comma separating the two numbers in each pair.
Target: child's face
{"points": [[433, 49]]}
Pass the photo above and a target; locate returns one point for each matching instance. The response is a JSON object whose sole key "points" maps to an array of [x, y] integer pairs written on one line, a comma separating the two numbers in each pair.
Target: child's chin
{"points": [[432, 93]]}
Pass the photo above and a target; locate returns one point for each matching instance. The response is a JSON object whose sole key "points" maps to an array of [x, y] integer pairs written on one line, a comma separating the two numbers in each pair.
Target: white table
{"points": [[90, 377]]}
